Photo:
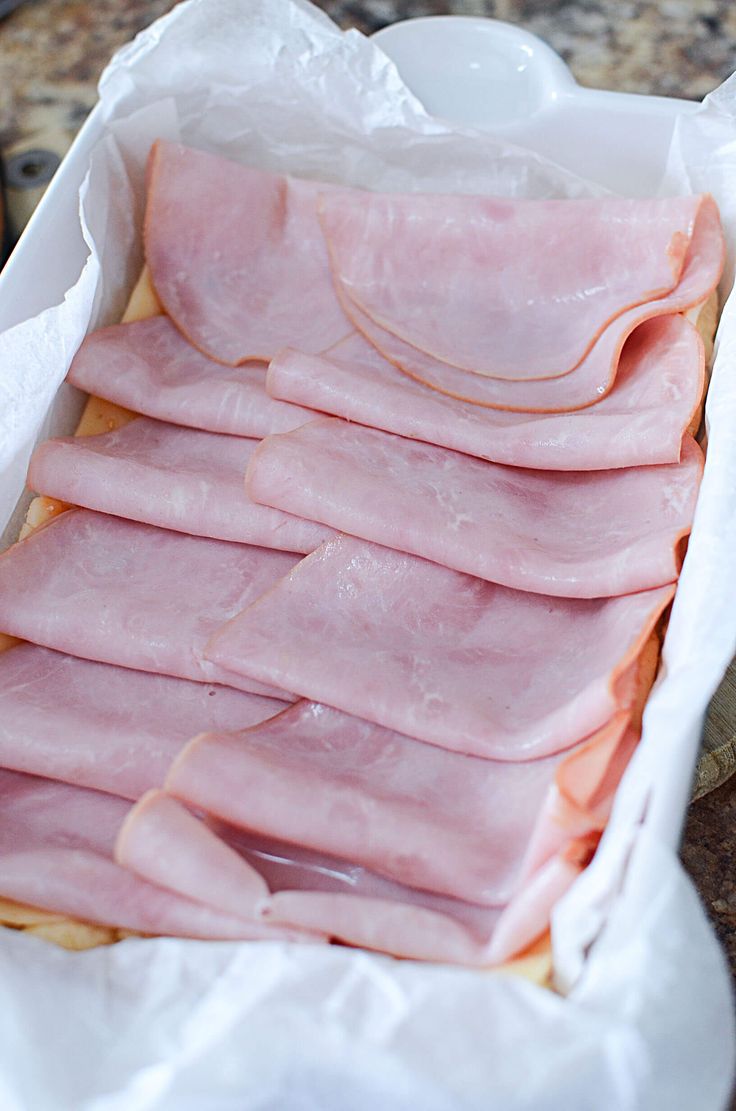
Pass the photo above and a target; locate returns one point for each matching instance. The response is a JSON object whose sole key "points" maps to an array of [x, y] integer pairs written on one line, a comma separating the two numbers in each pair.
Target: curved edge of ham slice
{"points": [[528, 914], [641, 422], [490, 243], [594, 377], [163, 843], [176, 478], [271, 642], [150, 368], [236, 255], [625, 533]]}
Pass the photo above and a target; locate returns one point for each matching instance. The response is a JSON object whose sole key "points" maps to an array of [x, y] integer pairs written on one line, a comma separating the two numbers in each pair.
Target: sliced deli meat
{"points": [[237, 256], [177, 478], [594, 377], [104, 727], [641, 421], [56, 852], [439, 655], [502, 288], [423, 816], [586, 535], [227, 871], [149, 367], [130, 594]]}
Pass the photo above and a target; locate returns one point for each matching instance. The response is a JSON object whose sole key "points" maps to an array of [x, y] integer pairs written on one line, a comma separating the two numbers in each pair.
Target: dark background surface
{"points": [[52, 52]]}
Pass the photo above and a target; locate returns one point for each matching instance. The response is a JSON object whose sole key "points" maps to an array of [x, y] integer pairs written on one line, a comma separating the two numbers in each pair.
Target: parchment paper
{"points": [[647, 1019]]}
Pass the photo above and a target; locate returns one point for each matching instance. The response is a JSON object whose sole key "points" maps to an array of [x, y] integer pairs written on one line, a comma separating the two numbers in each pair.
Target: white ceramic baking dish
{"points": [[494, 77]]}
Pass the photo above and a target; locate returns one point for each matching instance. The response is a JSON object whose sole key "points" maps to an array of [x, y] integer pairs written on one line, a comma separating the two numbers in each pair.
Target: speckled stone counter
{"points": [[52, 52]]}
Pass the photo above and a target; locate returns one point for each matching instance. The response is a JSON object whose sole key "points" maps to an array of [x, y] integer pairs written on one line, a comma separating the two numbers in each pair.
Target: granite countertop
{"points": [[52, 52]]}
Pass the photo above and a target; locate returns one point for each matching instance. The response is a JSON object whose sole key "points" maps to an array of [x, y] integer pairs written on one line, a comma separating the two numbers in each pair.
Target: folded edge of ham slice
{"points": [[642, 420], [334, 899], [61, 588], [440, 656], [420, 815], [56, 845], [104, 727], [161, 839], [176, 478], [595, 376], [149, 367], [237, 256], [507, 289], [621, 531]]}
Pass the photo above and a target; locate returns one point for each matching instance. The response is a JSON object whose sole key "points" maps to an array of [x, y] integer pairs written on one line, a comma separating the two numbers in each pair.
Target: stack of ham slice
{"points": [[351, 630]]}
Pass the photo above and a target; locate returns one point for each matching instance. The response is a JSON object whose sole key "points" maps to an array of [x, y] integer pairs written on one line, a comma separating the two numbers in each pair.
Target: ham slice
{"points": [[130, 594], [173, 477], [641, 421], [441, 656], [235, 871], [109, 728], [622, 533], [165, 844], [420, 815], [594, 377], [56, 844], [327, 896], [502, 288], [237, 256], [149, 367]]}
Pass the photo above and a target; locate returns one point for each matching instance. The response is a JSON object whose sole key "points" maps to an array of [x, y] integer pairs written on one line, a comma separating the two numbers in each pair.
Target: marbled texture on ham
{"points": [[622, 530], [56, 853], [502, 288], [594, 377], [420, 815], [110, 728], [439, 655], [133, 595], [641, 421], [237, 256], [177, 478], [149, 367]]}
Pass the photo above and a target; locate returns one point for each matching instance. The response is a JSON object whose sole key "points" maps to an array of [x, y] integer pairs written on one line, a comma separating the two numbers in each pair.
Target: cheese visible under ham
{"points": [[420, 815], [640, 422], [441, 656], [571, 535], [56, 844], [502, 288], [250, 276], [104, 727], [149, 367], [594, 377], [133, 595], [177, 478]]}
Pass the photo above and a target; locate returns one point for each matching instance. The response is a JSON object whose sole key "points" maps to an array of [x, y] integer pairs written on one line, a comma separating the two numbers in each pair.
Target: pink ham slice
{"points": [[441, 656], [420, 815], [162, 842], [641, 421], [133, 595], [149, 367], [324, 895], [503, 288], [237, 256], [594, 377], [173, 477], [622, 533], [56, 844], [109, 728], [327, 896]]}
